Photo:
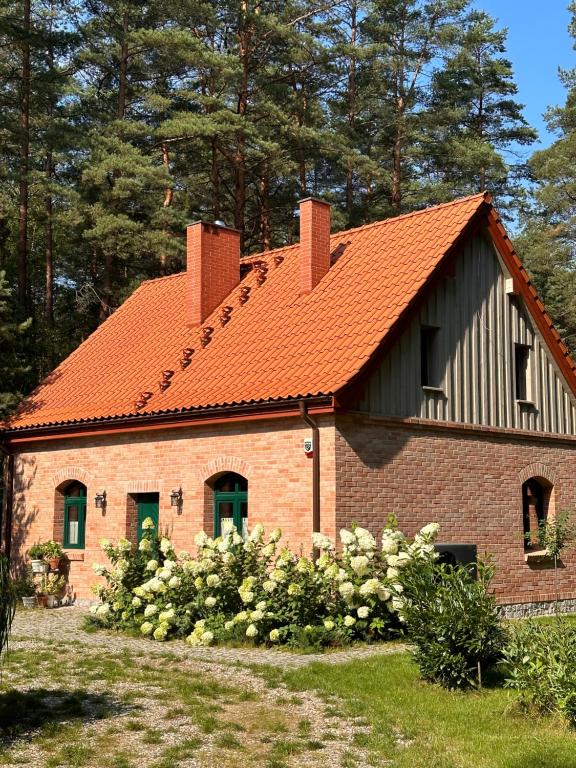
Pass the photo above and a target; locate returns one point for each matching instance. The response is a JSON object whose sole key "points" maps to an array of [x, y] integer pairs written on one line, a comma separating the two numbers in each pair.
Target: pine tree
{"points": [[12, 365]]}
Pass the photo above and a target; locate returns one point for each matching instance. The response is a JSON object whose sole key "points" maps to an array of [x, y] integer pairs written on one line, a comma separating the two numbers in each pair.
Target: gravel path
{"points": [[32, 627]]}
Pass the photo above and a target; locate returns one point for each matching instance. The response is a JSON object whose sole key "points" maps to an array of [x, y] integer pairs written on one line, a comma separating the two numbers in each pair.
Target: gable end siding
{"points": [[478, 324]]}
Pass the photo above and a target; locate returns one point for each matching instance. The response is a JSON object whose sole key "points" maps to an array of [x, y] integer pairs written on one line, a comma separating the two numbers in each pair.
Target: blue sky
{"points": [[538, 43]]}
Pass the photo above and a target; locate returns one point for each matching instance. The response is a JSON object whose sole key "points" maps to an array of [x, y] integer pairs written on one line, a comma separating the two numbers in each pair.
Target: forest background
{"points": [[121, 122]]}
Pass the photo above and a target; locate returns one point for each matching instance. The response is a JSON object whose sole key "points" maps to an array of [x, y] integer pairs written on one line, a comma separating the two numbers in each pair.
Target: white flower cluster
{"points": [[239, 588]]}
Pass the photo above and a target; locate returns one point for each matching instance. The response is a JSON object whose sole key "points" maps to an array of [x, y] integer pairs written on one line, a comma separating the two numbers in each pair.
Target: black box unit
{"points": [[458, 554]]}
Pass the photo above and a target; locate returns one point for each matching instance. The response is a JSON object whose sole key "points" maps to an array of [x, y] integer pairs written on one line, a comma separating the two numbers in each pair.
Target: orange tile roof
{"points": [[277, 345]]}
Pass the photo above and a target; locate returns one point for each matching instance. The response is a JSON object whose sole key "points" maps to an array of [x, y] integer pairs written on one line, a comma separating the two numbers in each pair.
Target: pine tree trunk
{"points": [[215, 178], [167, 202], [351, 108], [123, 69], [265, 234], [22, 249]]}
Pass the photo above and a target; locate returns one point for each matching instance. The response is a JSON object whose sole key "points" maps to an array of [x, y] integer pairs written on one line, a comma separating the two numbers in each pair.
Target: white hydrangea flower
{"points": [[365, 540], [210, 602], [104, 543], [403, 559], [148, 524], [93, 609], [174, 582], [212, 580], [206, 637], [346, 589], [136, 602], [349, 621], [370, 587], [294, 589], [397, 603], [389, 545], [124, 545], [150, 610], [164, 617], [278, 575], [241, 617], [223, 545], [392, 573], [269, 586], [398, 588], [98, 569], [164, 574], [251, 631], [144, 545], [275, 536], [257, 615], [139, 591], [274, 636], [329, 624], [168, 563], [383, 593], [430, 531], [360, 565], [228, 558], [165, 546], [257, 533], [323, 561], [363, 612], [320, 541], [228, 626], [201, 539], [160, 632], [236, 538], [155, 585], [347, 537], [261, 606], [269, 549], [103, 610], [198, 582], [152, 565], [200, 624], [146, 628], [286, 557], [332, 571], [246, 596]]}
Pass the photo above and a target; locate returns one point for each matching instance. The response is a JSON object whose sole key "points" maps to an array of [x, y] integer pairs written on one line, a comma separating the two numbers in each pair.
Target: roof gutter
{"points": [[315, 465], [176, 420]]}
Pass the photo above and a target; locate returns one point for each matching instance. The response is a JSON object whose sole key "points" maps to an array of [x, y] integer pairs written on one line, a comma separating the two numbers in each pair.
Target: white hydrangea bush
{"points": [[256, 591]]}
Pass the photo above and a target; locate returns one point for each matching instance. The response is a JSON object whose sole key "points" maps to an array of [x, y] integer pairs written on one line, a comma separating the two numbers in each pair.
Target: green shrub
{"points": [[540, 663], [252, 590], [453, 621]]}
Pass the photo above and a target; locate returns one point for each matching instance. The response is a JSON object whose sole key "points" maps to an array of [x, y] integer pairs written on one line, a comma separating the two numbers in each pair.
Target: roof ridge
{"points": [[163, 277]]}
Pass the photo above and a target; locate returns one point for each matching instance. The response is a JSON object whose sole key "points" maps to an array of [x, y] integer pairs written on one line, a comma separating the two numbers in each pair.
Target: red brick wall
{"points": [[269, 453], [469, 483]]}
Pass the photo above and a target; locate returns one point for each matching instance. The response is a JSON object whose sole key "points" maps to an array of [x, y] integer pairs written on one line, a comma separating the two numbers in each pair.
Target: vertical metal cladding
{"points": [[478, 325]]}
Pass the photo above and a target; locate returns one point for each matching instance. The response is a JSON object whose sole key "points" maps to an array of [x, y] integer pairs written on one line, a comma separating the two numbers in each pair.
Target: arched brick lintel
{"points": [[225, 464], [65, 474], [537, 469]]}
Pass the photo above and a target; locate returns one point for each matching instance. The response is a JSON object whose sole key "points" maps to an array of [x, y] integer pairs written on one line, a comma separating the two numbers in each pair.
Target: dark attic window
{"points": [[521, 372], [428, 357]]}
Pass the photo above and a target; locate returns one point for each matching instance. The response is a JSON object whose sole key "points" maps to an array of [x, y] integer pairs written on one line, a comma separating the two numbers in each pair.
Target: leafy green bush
{"points": [[540, 663], [238, 590], [453, 621]]}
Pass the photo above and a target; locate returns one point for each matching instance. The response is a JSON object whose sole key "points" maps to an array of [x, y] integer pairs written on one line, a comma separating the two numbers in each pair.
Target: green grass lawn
{"points": [[418, 725], [79, 707]]}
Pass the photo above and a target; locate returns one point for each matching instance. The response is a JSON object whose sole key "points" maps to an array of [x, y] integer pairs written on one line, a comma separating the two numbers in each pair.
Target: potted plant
{"points": [[51, 587], [52, 552], [26, 590], [36, 555]]}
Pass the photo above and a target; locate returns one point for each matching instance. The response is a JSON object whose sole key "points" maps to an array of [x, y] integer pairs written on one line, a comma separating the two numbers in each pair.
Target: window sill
{"points": [[537, 556], [432, 390], [526, 403], [74, 555]]}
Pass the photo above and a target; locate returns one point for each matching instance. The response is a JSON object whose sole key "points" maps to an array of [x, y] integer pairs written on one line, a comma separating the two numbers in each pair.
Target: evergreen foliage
{"points": [[123, 121]]}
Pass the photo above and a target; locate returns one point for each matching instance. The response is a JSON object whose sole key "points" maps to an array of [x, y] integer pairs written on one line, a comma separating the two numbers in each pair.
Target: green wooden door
{"points": [[231, 504], [75, 516], [147, 505]]}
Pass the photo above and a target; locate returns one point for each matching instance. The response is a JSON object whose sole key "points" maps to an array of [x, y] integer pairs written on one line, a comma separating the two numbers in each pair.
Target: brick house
{"points": [[405, 366]]}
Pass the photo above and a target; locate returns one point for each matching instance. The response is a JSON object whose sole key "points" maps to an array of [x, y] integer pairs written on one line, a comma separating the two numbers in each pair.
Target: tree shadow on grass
{"points": [[22, 712]]}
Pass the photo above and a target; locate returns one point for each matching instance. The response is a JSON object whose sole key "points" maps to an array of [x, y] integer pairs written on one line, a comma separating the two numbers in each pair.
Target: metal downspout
{"points": [[315, 466]]}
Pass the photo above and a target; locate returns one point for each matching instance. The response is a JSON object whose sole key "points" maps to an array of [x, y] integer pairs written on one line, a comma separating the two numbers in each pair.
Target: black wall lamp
{"points": [[100, 500], [176, 499]]}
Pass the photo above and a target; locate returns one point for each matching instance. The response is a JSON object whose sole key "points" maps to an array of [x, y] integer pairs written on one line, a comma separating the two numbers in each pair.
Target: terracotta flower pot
{"points": [[42, 601], [54, 563]]}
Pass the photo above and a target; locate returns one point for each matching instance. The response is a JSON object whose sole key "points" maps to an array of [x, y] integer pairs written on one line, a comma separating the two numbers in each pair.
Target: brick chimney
{"points": [[314, 242], [212, 267]]}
